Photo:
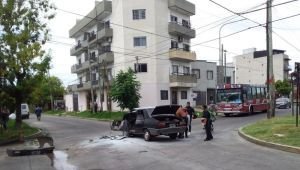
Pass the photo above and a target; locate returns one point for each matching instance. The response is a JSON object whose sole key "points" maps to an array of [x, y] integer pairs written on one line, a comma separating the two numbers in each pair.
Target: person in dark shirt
{"points": [[206, 115], [191, 113]]}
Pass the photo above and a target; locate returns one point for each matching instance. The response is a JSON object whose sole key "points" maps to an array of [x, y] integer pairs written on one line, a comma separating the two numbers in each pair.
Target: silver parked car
{"points": [[283, 103]]}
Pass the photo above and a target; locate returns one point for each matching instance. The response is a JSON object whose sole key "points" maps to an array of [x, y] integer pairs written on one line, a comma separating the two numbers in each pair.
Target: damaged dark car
{"points": [[154, 121]]}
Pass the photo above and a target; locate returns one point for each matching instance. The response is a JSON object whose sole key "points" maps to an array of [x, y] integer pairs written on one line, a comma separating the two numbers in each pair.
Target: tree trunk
{"points": [[18, 123], [18, 111]]}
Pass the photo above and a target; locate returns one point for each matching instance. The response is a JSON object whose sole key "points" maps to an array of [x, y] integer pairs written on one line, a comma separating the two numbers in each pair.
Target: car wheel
{"points": [[173, 136], [147, 135], [28, 116], [227, 114]]}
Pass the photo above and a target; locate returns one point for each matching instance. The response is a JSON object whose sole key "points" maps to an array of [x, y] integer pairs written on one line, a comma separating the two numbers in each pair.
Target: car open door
{"points": [[139, 122]]}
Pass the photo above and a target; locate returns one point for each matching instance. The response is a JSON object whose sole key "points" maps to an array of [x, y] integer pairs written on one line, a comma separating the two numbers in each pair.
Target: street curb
{"points": [[100, 120], [12, 141], [277, 146]]}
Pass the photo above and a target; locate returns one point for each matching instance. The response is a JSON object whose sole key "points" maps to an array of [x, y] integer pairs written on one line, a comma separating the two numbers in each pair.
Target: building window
{"points": [[174, 44], [186, 70], [164, 95], [210, 75], [139, 14], [173, 18], [141, 67], [140, 41], [186, 47], [183, 94], [175, 69], [196, 72], [186, 23]]}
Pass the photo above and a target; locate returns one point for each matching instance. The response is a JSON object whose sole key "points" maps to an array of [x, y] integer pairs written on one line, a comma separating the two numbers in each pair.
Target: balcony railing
{"points": [[101, 10], [183, 80], [181, 55], [182, 6], [78, 48], [92, 37], [185, 30]]}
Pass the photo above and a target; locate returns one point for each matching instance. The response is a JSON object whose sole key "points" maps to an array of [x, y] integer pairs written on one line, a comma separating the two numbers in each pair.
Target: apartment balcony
{"points": [[183, 6], [183, 80], [287, 68], [79, 48], [86, 86], [102, 10], [178, 29], [107, 57], [78, 68], [182, 55], [103, 35]]}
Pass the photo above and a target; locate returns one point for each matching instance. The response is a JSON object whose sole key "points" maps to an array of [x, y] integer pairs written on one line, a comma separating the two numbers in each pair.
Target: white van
{"points": [[24, 111]]}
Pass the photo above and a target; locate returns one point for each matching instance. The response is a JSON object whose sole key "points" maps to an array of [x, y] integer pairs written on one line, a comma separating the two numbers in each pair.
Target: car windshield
{"points": [[229, 95], [23, 106], [281, 100]]}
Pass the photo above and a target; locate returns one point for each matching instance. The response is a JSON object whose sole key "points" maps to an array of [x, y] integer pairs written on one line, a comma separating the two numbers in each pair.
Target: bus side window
{"points": [[253, 92], [249, 93], [258, 93]]}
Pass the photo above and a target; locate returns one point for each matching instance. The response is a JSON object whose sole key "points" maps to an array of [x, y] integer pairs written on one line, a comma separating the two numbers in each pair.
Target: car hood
{"points": [[165, 110]]}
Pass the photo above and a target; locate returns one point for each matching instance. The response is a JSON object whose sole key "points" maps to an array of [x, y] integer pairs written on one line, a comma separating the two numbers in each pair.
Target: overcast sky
{"points": [[207, 13]]}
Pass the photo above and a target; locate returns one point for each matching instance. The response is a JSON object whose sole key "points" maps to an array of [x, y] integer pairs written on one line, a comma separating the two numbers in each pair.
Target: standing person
{"points": [[191, 113], [38, 112], [207, 124], [182, 113]]}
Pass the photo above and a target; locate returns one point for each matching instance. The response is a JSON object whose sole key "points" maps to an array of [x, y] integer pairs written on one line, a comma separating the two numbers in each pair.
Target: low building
{"points": [[230, 74], [251, 66], [206, 73]]}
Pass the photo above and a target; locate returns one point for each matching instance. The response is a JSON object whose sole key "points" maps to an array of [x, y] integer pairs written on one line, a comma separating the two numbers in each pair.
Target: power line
{"points": [[286, 41], [283, 3], [162, 54]]}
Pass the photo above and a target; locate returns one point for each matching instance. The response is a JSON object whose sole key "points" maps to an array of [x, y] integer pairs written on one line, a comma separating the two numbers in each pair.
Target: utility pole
{"points": [[51, 93], [91, 83], [297, 71], [225, 75], [270, 74]]}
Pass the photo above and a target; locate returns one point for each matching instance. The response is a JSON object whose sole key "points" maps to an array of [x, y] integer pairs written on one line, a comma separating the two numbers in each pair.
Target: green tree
{"points": [[283, 87], [125, 90], [45, 88], [23, 31]]}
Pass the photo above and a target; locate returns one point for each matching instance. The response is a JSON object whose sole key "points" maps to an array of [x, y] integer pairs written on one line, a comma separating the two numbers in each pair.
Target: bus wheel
{"points": [[251, 110], [227, 114]]}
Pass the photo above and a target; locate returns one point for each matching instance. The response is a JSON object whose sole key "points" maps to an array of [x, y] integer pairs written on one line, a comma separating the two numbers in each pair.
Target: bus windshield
{"points": [[229, 95]]}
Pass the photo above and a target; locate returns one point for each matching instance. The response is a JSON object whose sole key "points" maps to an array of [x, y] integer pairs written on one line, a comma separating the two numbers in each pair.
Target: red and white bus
{"points": [[241, 99]]}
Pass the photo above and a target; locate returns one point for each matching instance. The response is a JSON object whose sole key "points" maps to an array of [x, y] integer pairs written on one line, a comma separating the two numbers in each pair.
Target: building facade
{"points": [[230, 74], [251, 67], [151, 37], [205, 90]]}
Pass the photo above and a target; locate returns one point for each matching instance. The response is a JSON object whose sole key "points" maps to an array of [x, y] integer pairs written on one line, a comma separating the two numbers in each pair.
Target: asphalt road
{"points": [[78, 146]]}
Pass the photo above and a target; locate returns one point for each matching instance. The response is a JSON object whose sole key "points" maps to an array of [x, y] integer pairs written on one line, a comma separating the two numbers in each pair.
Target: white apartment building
{"points": [[205, 90], [251, 67], [151, 36]]}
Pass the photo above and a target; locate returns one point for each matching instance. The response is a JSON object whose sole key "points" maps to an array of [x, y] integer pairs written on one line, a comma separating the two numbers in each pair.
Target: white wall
{"points": [[253, 71], [68, 102]]}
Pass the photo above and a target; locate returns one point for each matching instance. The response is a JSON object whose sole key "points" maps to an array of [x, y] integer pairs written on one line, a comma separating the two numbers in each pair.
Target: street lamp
{"points": [[220, 44]]}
